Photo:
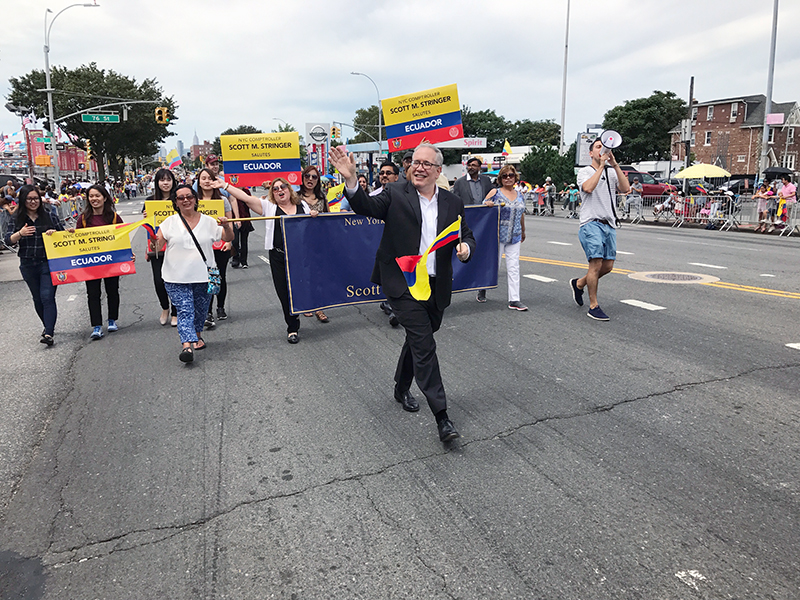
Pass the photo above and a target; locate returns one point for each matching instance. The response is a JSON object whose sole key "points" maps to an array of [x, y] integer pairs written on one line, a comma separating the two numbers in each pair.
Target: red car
{"points": [[650, 187]]}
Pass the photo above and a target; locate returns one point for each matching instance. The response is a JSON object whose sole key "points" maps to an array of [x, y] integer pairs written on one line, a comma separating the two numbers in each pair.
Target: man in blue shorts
{"points": [[598, 184]]}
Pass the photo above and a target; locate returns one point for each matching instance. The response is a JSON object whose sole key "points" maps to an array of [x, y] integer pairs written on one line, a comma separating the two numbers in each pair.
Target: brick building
{"points": [[728, 133], [203, 149]]}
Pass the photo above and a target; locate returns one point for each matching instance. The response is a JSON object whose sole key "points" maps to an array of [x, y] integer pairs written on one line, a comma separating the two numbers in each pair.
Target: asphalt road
{"points": [[654, 456]]}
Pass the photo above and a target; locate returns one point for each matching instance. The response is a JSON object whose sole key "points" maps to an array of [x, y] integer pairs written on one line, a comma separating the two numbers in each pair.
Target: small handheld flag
{"points": [[415, 268], [334, 197], [506, 148]]}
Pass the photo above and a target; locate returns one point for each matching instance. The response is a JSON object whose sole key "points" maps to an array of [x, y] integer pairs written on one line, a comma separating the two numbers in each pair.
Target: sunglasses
{"points": [[312, 176], [185, 197], [280, 187], [509, 176]]}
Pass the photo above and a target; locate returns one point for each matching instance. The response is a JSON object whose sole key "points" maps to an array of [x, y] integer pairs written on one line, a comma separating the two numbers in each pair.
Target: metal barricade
{"points": [[5, 219], [792, 224]]}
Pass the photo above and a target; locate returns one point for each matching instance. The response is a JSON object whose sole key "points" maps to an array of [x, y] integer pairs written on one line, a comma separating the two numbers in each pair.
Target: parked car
{"points": [[740, 186], [650, 187]]}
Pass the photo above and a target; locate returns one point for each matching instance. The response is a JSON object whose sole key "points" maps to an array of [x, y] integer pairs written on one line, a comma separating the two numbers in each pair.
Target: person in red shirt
{"points": [[100, 211]]}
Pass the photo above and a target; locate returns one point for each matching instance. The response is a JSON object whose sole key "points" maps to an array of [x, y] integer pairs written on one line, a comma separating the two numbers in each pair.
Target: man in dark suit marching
{"points": [[473, 187], [414, 212]]}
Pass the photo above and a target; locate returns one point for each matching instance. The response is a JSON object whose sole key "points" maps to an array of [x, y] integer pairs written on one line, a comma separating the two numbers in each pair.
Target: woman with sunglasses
{"points": [[165, 184], [31, 222], [512, 230], [185, 271], [282, 200], [311, 193]]}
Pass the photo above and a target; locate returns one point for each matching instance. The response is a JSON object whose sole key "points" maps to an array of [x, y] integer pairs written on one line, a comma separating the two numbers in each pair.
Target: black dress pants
{"points": [[277, 264], [93, 293], [418, 358]]}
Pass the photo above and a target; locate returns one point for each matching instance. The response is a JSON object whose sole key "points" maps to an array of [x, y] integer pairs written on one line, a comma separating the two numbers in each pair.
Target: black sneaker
{"points": [[481, 296], [244, 265], [597, 314], [210, 323], [221, 314], [577, 293]]}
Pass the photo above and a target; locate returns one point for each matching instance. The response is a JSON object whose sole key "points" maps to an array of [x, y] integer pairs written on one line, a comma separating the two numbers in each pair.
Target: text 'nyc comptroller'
{"points": [[430, 116], [250, 159]]}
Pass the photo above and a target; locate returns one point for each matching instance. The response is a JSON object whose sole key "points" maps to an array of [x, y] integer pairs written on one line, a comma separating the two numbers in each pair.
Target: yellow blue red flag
{"points": [[506, 148], [415, 268], [334, 197]]}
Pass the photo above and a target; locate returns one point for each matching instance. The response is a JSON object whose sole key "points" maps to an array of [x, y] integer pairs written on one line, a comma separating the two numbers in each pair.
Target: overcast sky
{"points": [[234, 62]]}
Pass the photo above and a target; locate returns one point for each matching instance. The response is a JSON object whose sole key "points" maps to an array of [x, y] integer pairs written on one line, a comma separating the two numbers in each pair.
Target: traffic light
{"points": [[336, 133], [89, 154], [162, 115]]}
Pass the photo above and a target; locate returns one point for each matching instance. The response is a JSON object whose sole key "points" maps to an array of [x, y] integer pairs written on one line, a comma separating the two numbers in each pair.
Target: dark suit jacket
{"points": [[461, 189], [398, 206]]}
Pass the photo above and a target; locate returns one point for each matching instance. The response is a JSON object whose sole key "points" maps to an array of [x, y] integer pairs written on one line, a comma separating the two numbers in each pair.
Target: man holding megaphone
{"points": [[598, 184]]}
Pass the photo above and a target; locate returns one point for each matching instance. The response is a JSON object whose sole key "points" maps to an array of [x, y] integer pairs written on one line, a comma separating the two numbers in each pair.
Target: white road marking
{"points": [[644, 305], [766, 275], [691, 578], [560, 243], [621, 252], [679, 241], [540, 278], [707, 266], [793, 346], [264, 258], [71, 298]]}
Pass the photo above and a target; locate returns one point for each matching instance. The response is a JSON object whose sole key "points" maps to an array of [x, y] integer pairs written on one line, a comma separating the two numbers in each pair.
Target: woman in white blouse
{"points": [[185, 269]]}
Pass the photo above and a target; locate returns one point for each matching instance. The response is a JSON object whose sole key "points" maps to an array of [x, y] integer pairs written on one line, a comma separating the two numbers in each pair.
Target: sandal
{"points": [[186, 355], [321, 316], [200, 341], [293, 338], [308, 314]]}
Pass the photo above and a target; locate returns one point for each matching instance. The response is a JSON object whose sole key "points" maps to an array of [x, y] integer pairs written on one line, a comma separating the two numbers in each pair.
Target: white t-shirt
{"points": [[597, 205], [182, 260]]}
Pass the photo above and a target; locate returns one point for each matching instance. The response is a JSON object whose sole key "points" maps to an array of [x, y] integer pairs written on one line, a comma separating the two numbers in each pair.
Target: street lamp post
{"points": [[380, 137], [49, 90]]}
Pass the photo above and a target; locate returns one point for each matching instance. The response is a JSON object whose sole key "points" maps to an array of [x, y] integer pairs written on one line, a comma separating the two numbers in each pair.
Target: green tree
{"points": [[240, 130], [485, 123], [534, 133], [366, 125], [545, 161], [87, 86], [644, 125]]}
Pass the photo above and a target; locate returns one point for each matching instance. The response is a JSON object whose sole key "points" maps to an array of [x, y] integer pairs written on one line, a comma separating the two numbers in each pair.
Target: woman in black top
{"points": [[33, 221]]}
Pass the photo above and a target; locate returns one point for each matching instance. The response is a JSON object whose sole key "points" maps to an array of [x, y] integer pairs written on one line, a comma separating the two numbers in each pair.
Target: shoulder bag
{"points": [[214, 280]]}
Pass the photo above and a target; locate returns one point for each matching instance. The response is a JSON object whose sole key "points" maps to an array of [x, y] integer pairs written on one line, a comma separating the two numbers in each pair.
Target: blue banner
{"points": [[330, 258]]}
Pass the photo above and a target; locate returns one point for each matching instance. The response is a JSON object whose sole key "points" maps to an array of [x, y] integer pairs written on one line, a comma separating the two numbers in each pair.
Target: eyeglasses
{"points": [[424, 164], [386, 173], [508, 176], [32, 198], [312, 176], [280, 187], [186, 197]]}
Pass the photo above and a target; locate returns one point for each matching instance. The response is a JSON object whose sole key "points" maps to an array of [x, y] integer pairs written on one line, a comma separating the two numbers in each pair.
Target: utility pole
{"points": [[763, 164], [689, 141]]}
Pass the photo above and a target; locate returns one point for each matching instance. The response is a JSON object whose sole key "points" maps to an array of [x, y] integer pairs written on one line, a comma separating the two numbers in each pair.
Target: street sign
{"points": [[43, 140], [100, 118]]}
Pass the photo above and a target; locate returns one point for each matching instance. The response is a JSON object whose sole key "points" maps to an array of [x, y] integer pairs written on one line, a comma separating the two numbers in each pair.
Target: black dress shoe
{"points": [[393, 320], [407, 400], [447, 431]]}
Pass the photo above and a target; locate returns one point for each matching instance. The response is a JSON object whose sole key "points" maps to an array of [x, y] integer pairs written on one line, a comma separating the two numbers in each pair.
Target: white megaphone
{"points": [[610, 140]]}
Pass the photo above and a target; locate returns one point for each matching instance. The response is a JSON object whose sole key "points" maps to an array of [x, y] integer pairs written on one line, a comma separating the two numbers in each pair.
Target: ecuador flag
{"points": [[334, 197], [506, 148], [415, 268]]}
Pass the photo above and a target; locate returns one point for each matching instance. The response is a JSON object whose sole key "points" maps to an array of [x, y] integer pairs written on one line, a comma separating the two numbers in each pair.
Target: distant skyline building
{"points": [[195, 140], [180, 148]]}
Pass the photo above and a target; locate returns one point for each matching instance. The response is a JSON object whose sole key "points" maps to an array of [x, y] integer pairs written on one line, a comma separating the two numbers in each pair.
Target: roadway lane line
{"points": [[264, 258], [708, 266], [626, 253], [793, 346], [72, 298], [766, 275], [728, 246], [720, 284], [541, 278], [560, 243], [644, 305], [752, 289]]}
